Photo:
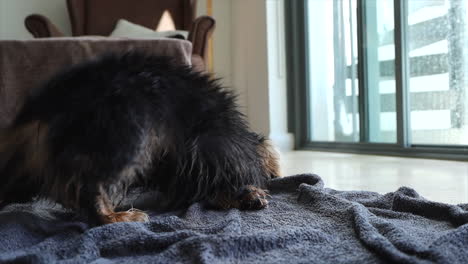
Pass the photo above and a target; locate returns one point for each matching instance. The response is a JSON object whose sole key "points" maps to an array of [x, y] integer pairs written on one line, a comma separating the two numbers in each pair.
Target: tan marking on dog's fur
{"points": [[31, 139], [38, 148], [270, 159], [132, 215], [29, 143], [107, 215]]}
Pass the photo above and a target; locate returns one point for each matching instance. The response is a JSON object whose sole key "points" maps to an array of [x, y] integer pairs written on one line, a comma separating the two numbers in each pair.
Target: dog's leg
{"points": [[246, 198], [236, 169], [103, 211]]}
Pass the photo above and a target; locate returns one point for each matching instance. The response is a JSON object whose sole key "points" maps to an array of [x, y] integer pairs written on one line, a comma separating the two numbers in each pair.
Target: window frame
{"points": [[298, 94]]}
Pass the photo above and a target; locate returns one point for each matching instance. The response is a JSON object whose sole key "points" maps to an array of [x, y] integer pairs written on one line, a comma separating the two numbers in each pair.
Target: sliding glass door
{"points": [[386, 76], [438, 72]]}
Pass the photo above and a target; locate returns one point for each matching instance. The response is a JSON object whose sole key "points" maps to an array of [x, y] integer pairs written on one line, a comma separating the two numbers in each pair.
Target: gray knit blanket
{"points": [[304, 223]]}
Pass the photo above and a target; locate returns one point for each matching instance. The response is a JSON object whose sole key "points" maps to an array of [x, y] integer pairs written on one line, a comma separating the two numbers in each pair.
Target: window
{"points": [[409, 96]]}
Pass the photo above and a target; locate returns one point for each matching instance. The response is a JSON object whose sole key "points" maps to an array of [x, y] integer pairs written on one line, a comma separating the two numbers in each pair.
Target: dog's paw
{"points": [[252, 198], [132, 215]]}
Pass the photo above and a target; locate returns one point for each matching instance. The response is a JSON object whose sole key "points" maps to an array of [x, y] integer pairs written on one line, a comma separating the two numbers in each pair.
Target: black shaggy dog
{"points": [[127, 120]]}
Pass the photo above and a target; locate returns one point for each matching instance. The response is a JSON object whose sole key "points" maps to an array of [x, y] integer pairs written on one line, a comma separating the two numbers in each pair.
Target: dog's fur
{"points": [[123, 120]]}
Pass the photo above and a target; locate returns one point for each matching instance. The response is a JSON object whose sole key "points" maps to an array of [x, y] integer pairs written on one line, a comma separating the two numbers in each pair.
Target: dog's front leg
{"points": [[103, 211], [246, 198]]}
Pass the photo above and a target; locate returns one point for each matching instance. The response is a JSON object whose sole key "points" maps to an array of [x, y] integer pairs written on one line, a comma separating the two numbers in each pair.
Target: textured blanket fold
{"points": [[304, 223]]}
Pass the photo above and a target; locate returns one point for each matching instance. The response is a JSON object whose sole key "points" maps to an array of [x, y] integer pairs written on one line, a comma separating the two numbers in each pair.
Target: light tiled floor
{"points": [[438, 180]]}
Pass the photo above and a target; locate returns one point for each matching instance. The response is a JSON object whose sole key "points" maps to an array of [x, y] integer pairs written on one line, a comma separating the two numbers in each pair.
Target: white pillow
{"points": [[128, 29]]}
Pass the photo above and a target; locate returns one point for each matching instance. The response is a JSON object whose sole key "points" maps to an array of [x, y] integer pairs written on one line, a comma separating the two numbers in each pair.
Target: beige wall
{"points": [[13, 12], [240, 55]]}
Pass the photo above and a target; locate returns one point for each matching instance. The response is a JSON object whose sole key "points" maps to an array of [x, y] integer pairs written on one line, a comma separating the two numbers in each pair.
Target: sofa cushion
{"points": [[128, 29]]}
